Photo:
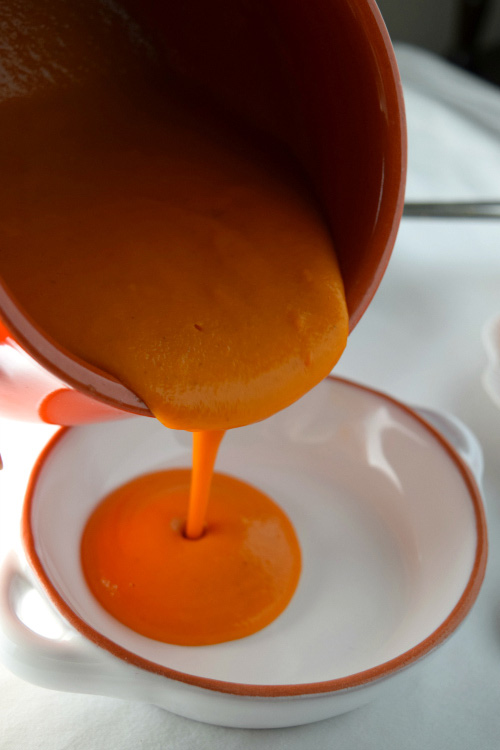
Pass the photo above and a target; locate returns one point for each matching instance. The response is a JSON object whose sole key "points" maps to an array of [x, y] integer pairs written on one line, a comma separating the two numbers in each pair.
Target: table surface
{"points": [[420, 341]]}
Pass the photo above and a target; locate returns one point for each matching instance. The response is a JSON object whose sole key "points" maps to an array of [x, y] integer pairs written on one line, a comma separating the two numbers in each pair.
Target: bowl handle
{"points": [[460, 436], [65, 662]]}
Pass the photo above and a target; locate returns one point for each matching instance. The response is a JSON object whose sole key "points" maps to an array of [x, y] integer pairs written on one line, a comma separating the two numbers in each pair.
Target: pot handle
{"points": [[461, 438], [65, 662]]}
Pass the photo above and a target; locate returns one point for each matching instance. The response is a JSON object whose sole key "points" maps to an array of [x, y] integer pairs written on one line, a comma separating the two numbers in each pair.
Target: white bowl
{"points": [[491, 373], [393, 536]]}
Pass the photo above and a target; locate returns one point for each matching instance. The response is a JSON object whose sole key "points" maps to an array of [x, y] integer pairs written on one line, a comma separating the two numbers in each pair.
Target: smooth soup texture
{"points": [[153, 239]]}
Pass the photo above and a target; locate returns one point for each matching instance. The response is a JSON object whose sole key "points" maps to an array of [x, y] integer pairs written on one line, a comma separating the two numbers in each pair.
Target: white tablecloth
{"points": [[421, 342]]}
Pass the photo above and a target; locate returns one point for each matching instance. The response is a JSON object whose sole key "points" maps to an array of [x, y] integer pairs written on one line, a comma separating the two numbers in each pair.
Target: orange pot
{"points": [[320, 75]]}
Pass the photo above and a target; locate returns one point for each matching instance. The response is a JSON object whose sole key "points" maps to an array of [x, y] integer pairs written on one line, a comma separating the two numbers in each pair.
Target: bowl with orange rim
{"points": [[386, 504]]}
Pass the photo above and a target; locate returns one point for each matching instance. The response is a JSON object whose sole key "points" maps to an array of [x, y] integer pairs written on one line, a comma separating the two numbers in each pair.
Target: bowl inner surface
{"points": [[386, 522]]}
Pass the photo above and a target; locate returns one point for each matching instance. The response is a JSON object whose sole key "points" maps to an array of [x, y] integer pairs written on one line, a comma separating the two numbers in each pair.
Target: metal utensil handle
{"points": [[453, 210]]}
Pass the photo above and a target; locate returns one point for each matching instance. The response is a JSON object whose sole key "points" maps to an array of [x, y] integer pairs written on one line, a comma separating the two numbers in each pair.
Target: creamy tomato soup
{"points": [[154, 239]]}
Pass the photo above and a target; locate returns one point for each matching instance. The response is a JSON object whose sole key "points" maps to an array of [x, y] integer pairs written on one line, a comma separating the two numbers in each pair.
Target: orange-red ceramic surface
{"points": [[320, 76]]}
